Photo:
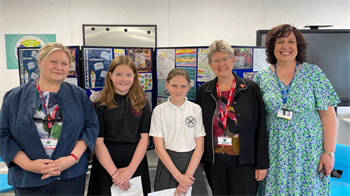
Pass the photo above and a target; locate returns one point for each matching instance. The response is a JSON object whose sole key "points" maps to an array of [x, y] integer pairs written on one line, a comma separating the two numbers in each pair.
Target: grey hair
{"points": [[219, 46], [51, 47]]}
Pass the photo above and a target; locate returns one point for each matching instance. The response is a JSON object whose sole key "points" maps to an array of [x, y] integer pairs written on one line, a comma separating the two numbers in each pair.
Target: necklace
{"points": [[284, 75]]}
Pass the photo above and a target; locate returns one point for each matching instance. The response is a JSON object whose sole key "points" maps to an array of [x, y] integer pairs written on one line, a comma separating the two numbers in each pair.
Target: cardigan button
{"points": [[238, 114], [64, 136], [64, 107], [68, 119], [234, 102], [58, 152]]}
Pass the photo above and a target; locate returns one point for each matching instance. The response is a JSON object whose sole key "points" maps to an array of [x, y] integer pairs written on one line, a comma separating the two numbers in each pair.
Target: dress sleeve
{"points": [[156, 125], [8, 145], [146, 119], [91, 126], [324, 92], [257, 78]]}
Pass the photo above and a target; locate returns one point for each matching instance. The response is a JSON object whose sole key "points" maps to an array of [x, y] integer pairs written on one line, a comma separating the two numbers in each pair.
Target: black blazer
{"points": [[250, 114]]}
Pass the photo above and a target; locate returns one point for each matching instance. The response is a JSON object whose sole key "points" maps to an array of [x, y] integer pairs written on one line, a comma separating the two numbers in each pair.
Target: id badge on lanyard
{"points": [[283, 112], [224, 116]]}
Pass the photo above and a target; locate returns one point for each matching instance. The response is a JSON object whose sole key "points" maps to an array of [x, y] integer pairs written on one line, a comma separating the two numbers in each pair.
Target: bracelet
{"points": [[75, 157], [114, 173]]}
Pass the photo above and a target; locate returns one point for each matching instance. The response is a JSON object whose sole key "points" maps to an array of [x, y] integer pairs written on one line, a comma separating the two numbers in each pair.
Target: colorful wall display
{"points": [[74, 62], [145, 80], [243, 58], [28, 64], [149, 98], [204, 71], [192, 72], [161, 100], [13, 41], [249, 75], [142, 59], [118, 52], [162, 91], [96, 63], [165, 62], [259, 56], [186, 57]]}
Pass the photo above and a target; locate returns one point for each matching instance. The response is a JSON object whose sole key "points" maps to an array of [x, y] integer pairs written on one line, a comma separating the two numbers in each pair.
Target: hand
{"points": [[186, 181], [41, 166], [122, 176], [180, 190], [63, 162], [260, 174], [326, 162], [125, 186]]}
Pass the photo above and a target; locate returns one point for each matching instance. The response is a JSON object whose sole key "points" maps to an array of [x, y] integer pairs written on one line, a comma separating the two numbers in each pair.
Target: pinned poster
{"points": [[259, 59], [145, 80], [161, 100], [165, 62], [118, 52], [191, 94], [149, 98], [96, 63], [162, 91], [243, 58], [186, 57], [249, 75], [204, 71], [28, 64], [142, 59]]}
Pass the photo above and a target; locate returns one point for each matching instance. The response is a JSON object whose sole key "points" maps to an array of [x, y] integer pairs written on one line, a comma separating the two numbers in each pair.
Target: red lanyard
{"points": [[49, 120], [224, 118]]}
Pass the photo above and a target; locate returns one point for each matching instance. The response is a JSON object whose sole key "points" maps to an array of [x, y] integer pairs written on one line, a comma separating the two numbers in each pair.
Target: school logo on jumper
{"points": [[136, 113], [190, 121]]}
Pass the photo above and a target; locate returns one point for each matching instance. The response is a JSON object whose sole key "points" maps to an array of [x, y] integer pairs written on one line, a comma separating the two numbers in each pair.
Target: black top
{"points": [[123, 124], [250, 114]]}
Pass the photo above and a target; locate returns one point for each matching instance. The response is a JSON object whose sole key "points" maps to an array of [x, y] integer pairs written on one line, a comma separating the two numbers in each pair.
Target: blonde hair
{"points": [[178, 72], [219, 46], [136, 95], [51, 47]]}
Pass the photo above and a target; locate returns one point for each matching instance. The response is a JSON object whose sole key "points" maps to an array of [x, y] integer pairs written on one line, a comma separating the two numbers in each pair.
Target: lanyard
{"points": [[286, 92], [224, 117], [49, 120]]}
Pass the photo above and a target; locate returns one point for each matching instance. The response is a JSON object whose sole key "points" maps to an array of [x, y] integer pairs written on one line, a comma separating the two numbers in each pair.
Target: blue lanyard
{"points": [[285, 93]]}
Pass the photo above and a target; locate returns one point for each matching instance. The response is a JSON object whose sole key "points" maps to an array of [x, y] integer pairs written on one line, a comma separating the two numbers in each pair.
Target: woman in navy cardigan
{"points": [[48, 127]]}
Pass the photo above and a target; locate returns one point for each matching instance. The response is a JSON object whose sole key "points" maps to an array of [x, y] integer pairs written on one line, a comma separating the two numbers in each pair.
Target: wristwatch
{"points": [[329, 153]]}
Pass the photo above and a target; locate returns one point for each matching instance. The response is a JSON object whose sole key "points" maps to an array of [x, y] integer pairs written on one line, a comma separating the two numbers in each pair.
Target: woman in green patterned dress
{"points": [[301, 122]]}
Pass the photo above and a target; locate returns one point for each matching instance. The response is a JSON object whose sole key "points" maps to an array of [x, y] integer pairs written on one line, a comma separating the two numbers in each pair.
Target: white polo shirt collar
{"points": [[172, 106]]}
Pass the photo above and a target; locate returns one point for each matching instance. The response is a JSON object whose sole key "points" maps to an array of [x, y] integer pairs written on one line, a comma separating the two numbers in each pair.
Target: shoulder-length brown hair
{"points": [[284, 31], [136, 95]]}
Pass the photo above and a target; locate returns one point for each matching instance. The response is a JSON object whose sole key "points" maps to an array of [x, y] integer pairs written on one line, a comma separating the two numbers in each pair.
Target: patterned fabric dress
{"points": [[295, 146]]}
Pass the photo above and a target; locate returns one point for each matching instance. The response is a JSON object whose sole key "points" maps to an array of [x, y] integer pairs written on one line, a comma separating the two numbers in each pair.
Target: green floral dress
{"points": [[295, 146]]}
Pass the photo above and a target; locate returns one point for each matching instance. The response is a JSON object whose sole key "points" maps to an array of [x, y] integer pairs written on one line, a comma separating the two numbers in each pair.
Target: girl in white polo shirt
{"points": [[178, 134]]}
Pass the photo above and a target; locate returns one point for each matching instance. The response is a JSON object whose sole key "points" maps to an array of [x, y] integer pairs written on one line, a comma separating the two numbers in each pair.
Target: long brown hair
{"points": [[136, 95]]}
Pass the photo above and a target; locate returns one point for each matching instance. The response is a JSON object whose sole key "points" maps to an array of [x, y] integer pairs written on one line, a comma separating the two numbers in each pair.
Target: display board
{"points": [[195, 61], [29, 64]]}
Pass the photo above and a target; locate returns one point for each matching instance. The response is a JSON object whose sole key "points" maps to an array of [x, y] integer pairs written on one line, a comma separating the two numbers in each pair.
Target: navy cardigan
{"points": [[18, 131]]}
